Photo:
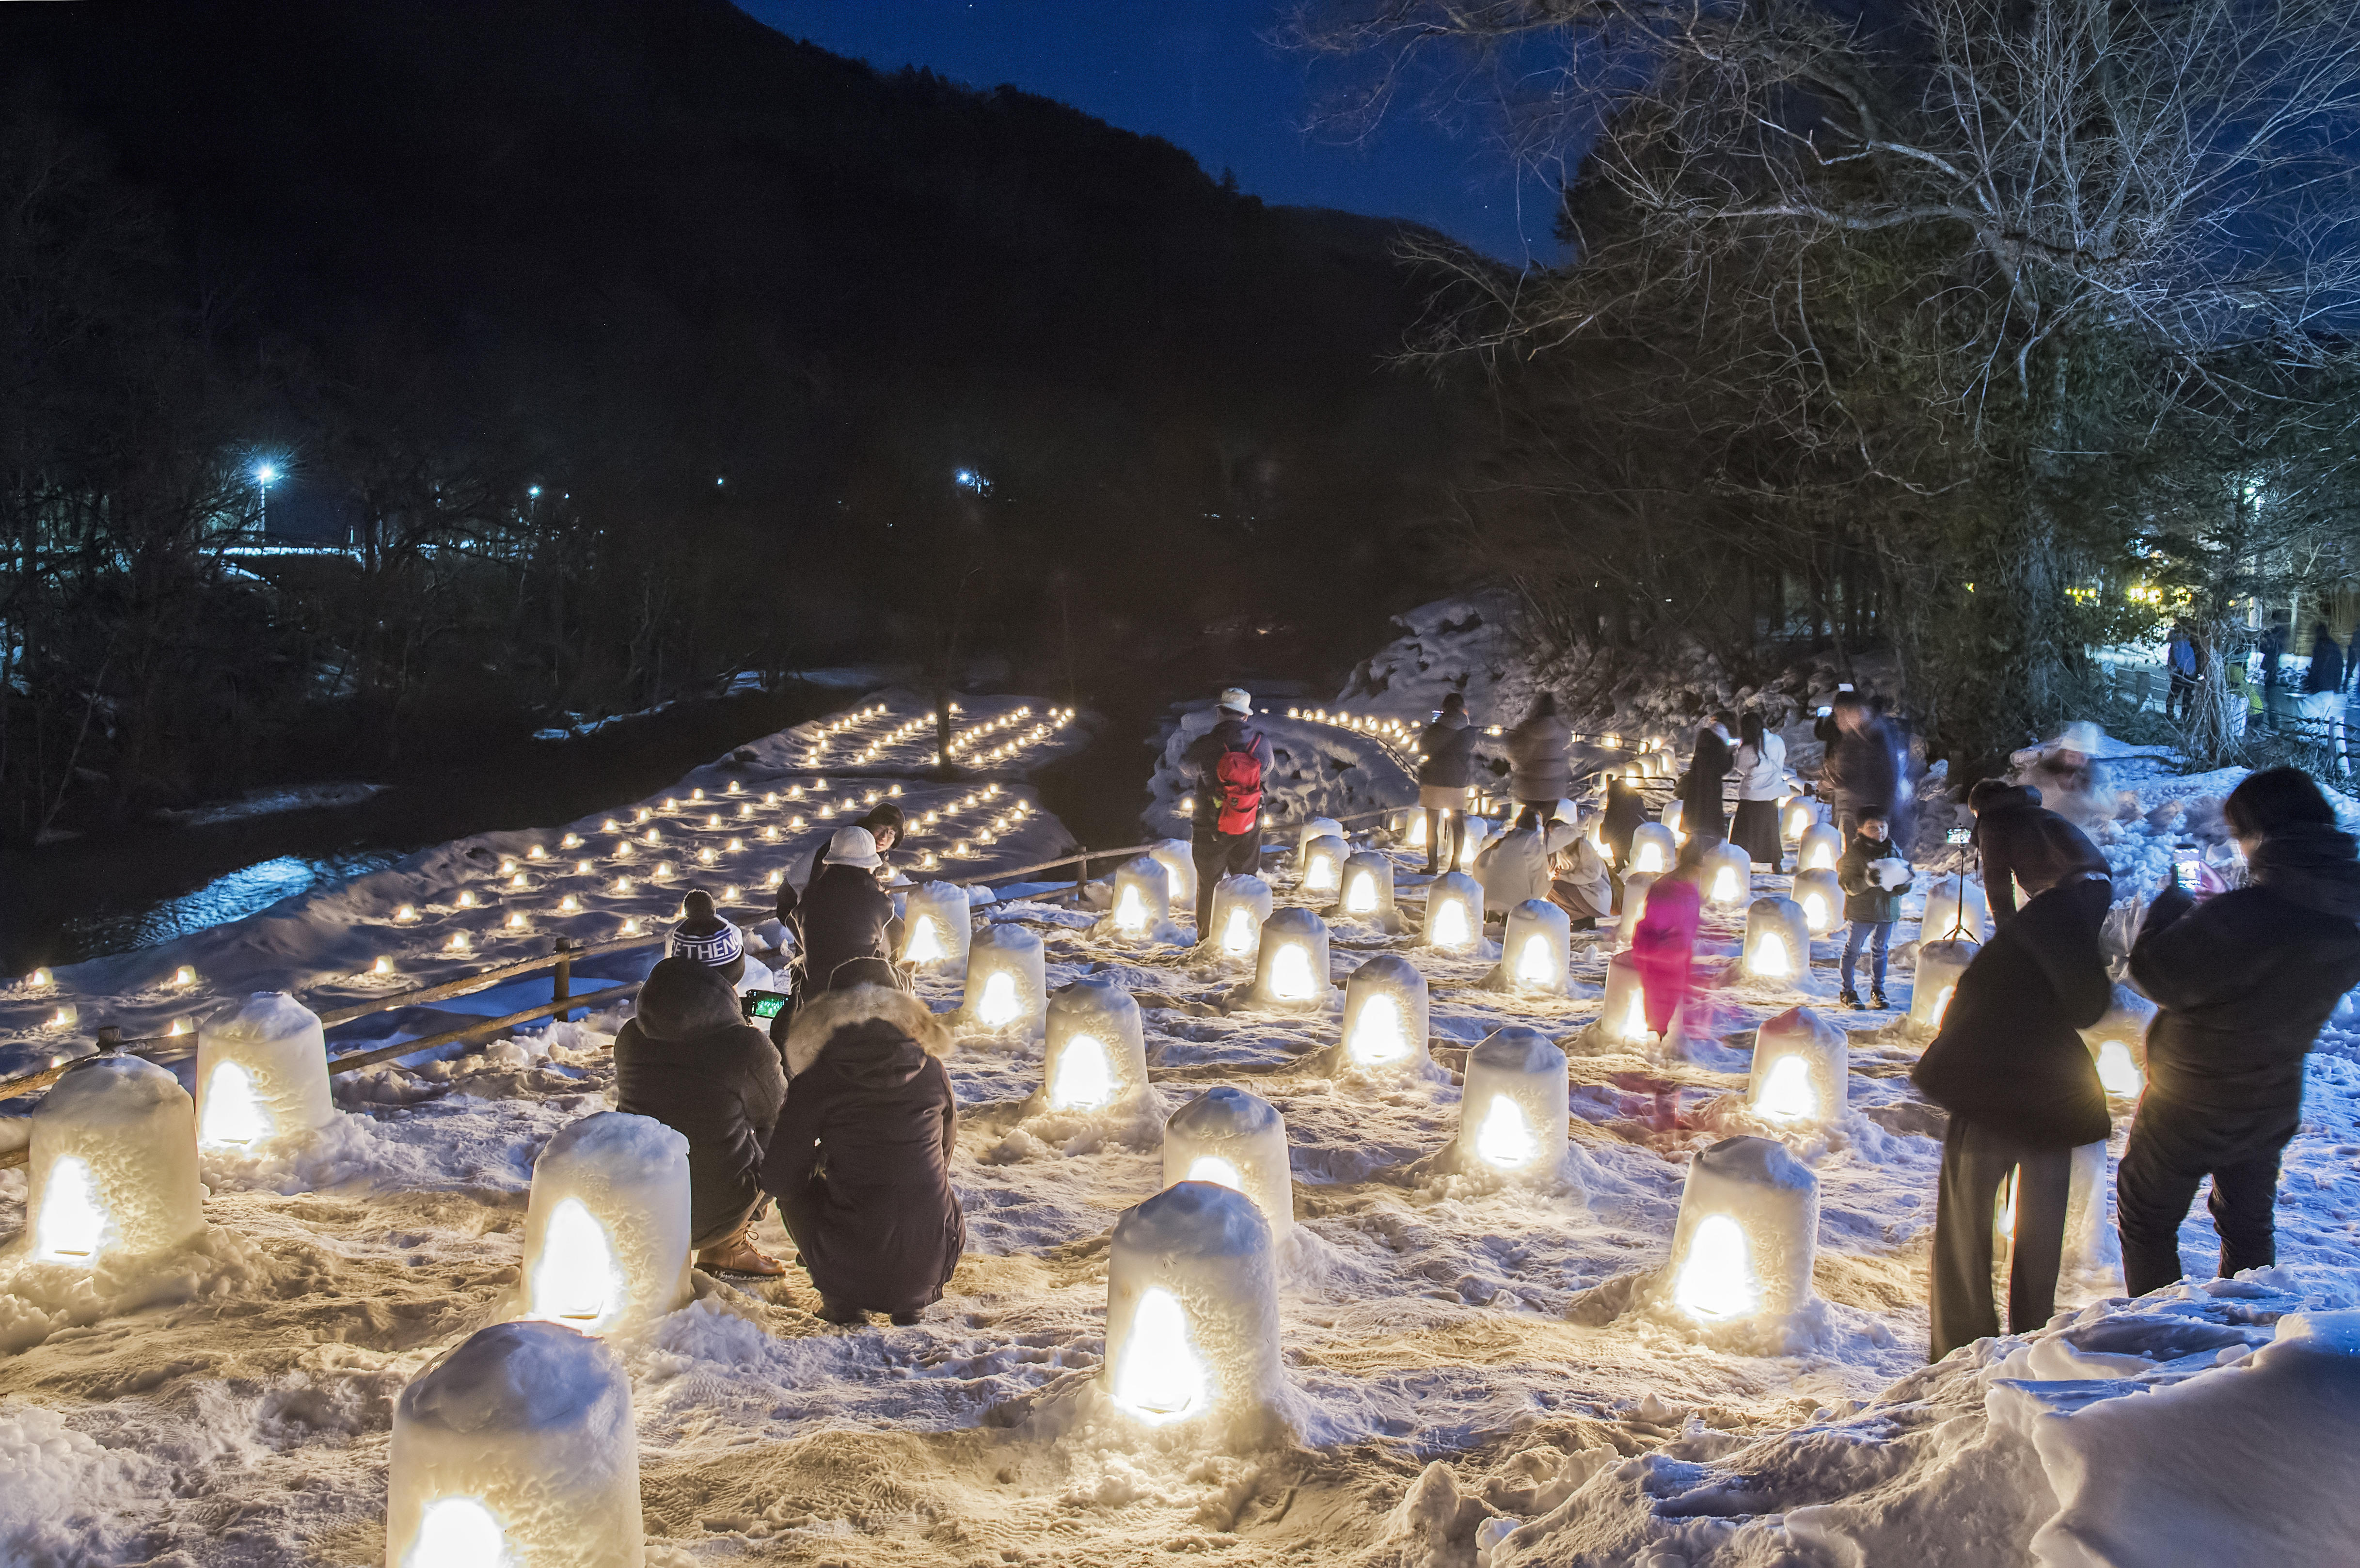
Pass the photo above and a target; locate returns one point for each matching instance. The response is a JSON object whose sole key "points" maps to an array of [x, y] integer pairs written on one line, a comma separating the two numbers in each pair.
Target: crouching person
{"points": [[688, 1060], [860, 1161]]}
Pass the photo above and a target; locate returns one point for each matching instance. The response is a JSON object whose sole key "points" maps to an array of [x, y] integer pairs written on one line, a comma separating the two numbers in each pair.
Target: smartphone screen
{"points": [[762, 1006], [1959, 836], [1826, 711], [2184, 863]]}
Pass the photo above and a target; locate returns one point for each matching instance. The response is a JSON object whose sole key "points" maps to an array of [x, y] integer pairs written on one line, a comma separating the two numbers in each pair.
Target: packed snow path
{"points": [[1472, 1370]]}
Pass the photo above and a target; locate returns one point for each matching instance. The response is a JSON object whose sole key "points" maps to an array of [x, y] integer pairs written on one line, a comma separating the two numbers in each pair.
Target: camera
{"points": [[761, 1007], [1960, 836]]}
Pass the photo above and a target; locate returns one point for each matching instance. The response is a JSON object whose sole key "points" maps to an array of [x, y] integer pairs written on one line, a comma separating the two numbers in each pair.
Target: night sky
{"points": [[1197, 73]]}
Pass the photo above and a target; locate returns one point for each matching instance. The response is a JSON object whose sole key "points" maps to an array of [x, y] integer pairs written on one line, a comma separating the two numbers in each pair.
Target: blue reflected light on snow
{"points": [[234, 896]]}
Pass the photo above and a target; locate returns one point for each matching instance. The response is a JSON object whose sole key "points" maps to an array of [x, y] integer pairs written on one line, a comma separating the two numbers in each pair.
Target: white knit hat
{"points": [[854, 847], [1237, 700], [2083, 736]]}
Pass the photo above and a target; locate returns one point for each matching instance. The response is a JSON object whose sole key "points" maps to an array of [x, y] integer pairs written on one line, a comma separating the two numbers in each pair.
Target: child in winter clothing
{"points": [[1874, 879]]}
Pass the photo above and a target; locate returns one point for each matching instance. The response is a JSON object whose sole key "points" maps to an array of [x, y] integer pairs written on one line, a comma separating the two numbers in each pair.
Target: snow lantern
{"points": [[1634, 905], [1946, 918], [1238, 1139], [1179, 869], [1320, 865], [1368, 893], [1671, 815], [1778, 940], [1454, 912], [1006, 980], [1513, 1109], [1801, 1067], [1623, 1019], [1097, 1052], [1538, 948], [516, 1450], [607, 1228], [1742, 1247], [262, 1074], [935, 927], [1728, 874], [1291, 971], [1240, 905], [1409, 827], [1192, 1310], [1316, 828], [1385, 1017], [1822, 900], [1822, 847], [112, 1168], [1143, 904], [1940, 964], [1653, 848], [2118, 1042], [1797, 813]]}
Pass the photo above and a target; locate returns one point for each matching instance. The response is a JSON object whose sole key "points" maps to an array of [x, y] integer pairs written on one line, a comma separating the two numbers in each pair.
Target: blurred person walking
{"points": [[1445, 778]]}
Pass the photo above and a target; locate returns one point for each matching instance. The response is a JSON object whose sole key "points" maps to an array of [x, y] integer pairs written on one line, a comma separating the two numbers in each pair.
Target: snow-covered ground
{"points": [[1476, 1373]]}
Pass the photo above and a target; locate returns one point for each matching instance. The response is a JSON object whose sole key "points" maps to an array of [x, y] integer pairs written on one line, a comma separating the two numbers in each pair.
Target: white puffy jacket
{"points": [[1761, 775]]}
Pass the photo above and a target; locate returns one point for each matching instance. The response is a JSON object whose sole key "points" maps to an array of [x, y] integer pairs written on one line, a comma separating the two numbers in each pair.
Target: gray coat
{"points": [[1539, 753]]}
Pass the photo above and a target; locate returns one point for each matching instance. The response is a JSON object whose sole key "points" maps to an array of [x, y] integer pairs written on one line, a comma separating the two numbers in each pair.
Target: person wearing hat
{"points": [[1232, 761], [841, 923], [886, 823], [2071, 781], [703, 935]]}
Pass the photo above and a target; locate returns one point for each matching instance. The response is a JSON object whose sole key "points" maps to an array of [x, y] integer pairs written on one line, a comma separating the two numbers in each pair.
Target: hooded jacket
{"points": [[1860, 774], [841, 925], [2010, 1055], [2326, 672], [1539, 750], [688, 1059], [1762, 770], [1514, 866], [1701, 804], [2022, 840], [2246, 979], [860, 1163], [1448, 744]]}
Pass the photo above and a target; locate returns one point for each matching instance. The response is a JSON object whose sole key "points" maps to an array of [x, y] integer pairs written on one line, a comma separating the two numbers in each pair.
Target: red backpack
{"points": [[1238, 774]]}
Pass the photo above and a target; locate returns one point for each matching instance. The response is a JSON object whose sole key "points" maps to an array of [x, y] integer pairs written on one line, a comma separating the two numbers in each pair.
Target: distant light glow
{"points": [[266, 473], [234, 1113], [1085, 1080], [1161, 1378], [1716, 1282], [1213, 1167], [72, 1221], [1787, 1092], [1506, 1138], [457, 1532], [1377, 1031]]}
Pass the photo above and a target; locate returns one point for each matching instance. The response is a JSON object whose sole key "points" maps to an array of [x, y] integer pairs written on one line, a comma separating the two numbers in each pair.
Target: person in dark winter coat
{"points": [[1236, 852], [886, 823], [688, 1059], [1871, 906], [1540, 753], [842, 922], [2322, 690], [1861, 774], [2243, 981], [1703, 815], [860, 1161], [2022, 842], [1445, 778], [1626, 813], [2009, 1066]]}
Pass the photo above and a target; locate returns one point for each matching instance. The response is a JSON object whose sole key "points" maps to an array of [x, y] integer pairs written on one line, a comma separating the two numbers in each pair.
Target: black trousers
{"points": [[1976, 1158], [1219, 854], [2173, 1149], [1434, 821]]}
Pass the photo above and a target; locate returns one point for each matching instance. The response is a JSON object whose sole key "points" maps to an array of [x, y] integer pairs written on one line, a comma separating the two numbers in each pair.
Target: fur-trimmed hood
{"points": [[832, 1013]]}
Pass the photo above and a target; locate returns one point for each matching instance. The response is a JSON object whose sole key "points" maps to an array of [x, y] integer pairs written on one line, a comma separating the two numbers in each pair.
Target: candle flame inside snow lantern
{"points": [[935, 927], [1511, 1112], [1240, 905], [1385, 1017], [1367, 891], [1749, 1220], [1192, 1310], [607, 1229], [1653, 848], [1096, 1053], [112, 1166], [1291, 971], [1536, 950], [1671, 816], [1822, 900], [1316, 828], [1142, 907], [1822, 847], [1949, 916], [1478, 833], [2117, 1041], [1623, 1018], [1796, 815], [1778, 940], [1179, 870], [1321, 864], [515, 1450], [1409, 827], [1801, 1064], [1634, 905], [262, 1074], [1454, 912], [1728, 874], [1007, 983], [1940, 964], [1239, 1140]]}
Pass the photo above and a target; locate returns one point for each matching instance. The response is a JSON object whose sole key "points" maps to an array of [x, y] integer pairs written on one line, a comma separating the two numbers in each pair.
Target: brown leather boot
{"points": [[737, 1254]]}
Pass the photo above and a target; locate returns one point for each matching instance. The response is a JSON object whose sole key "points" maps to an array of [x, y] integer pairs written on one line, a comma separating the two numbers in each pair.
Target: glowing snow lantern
{"points": [[1823, 846], [1940, 964], [1316, 828], [1728, 874], [185, 976], [1623, 1019], [1796, 815], [515, 1450], [1635, 906], [1096, 1053], [1321, 864], [1653, 848], [1238, 1139], [1950, 915], [2090, 1240], [1007, 986], [1240, 905], [1179, 870], [935, 926], [1192, 1311], [1143, 904], [1801, 1067], [2118, 1042], [1536, 950], [40, 980], [262, 1074], [1778, 940], [1477, 831], [1292, 968], [1409, 827], [1454, 912], [1749, 1220], [1821, 898], [1671, 817], [1511, 1112], [112, 1166], [607, 1229], [1384, 1018], [1368, 891]]}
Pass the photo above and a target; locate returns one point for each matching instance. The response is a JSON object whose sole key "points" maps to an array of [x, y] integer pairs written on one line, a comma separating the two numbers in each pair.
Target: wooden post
{"points": [[1081, 875], [110, 1038], [562, 987]]}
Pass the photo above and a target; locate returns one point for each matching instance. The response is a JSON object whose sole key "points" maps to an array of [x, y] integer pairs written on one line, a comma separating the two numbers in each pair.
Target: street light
{"points": [[264, 474]]}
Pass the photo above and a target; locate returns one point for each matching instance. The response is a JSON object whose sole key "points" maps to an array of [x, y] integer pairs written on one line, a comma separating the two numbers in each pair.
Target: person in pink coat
{"points": [[1663, 946]]}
